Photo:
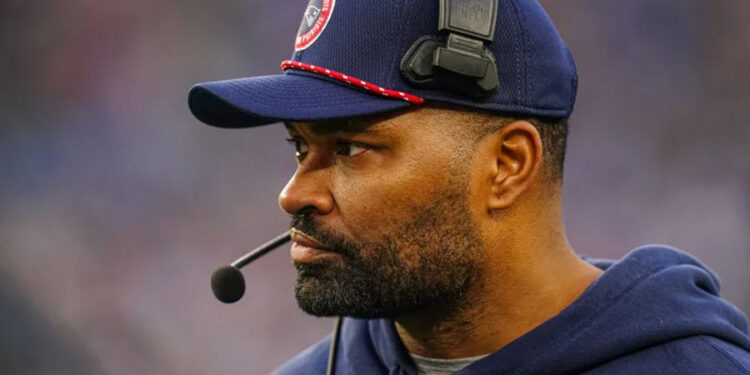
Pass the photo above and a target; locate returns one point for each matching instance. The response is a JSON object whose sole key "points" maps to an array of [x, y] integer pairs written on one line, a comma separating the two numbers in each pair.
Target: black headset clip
{"points": [[460, 62]]}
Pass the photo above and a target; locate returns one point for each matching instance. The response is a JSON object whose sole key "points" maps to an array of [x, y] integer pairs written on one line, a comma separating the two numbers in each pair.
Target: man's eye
{"points": [[346, 148], [300, 146]]}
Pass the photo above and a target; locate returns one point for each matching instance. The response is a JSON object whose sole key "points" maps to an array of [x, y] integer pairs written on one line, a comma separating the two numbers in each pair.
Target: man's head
{"points": [[404, 202], [411, 197]]}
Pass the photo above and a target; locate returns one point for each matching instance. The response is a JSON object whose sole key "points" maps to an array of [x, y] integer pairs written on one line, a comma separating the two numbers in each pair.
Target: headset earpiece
{"points": [[460, 61]]}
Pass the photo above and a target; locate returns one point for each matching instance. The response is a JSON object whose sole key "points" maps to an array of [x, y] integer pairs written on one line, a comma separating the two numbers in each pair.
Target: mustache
{"points": [[334, 242]]}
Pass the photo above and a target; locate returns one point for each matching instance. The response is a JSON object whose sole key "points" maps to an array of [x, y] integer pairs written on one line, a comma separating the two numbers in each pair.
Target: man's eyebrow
{"points": [[335, 127]]}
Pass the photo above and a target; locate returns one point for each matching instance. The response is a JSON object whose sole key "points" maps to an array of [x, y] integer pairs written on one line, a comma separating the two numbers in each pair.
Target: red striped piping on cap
{"points": [[375, 89]]}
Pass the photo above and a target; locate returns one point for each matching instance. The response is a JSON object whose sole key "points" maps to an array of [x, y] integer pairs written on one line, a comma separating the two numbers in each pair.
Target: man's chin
{"points": [[314, 297], [323, 297]]}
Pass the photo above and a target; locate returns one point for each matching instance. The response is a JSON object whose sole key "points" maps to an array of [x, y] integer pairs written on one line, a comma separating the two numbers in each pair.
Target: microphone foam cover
{"points": [[228, 284]]}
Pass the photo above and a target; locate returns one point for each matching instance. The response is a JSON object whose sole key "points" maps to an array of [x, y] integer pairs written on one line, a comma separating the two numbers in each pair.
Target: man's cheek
{"points": [[409, 256]]}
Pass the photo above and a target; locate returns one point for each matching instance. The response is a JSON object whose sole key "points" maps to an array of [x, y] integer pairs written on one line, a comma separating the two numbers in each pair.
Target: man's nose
{"points": [[306, 190]]}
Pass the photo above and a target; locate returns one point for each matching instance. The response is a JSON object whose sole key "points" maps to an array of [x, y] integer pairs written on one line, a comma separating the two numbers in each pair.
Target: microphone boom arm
{"points": [[261, 250], [227, 282]]}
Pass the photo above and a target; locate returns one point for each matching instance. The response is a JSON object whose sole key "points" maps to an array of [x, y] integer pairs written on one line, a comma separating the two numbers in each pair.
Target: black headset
{"points": [[459, 62]]}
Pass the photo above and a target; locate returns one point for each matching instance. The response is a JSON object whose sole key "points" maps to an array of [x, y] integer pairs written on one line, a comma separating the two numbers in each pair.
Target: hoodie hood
{"points": [[653, 296]]}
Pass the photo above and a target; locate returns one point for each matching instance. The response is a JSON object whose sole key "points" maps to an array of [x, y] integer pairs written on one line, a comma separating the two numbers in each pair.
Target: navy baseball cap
{"points": [[353, 58]]}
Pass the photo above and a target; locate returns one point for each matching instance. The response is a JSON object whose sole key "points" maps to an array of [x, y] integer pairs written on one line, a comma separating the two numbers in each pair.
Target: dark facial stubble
{"points": [[426, 263]]}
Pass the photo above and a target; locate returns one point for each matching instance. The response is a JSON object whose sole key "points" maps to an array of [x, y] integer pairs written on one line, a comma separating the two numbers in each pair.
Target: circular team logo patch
{"points": [[315, 19]]}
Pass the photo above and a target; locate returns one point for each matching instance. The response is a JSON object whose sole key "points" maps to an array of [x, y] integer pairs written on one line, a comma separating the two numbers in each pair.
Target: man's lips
{"points": [[306, 249]]}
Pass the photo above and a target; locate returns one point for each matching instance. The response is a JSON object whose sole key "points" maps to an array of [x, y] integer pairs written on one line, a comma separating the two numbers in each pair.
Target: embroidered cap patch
{"points": [[315, 19]]}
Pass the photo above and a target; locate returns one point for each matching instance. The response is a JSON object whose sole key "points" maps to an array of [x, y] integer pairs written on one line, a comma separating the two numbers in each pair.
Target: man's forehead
{"points": [[362, 125], [392, 122]]}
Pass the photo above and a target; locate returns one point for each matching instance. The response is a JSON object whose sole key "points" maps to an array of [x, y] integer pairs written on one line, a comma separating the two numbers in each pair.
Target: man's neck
{"points": [[522, 296]]}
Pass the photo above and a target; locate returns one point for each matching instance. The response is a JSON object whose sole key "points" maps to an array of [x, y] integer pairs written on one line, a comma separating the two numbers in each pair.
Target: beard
{"points": [[426, 263]]}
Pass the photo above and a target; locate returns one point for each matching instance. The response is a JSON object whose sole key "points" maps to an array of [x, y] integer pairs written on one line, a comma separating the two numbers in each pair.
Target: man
{"points": [[426, 207]]}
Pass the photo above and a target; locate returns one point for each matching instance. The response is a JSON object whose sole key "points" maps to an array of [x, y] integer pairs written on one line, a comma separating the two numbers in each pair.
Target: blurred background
{"points": [[116, 204]]}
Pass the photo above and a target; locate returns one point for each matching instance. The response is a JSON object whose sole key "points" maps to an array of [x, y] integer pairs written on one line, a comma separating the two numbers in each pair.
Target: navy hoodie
{"points": [[656, 311]]}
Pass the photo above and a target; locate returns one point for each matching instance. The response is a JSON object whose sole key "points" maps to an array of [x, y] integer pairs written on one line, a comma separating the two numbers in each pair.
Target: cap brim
{"points": [[255, 101]]}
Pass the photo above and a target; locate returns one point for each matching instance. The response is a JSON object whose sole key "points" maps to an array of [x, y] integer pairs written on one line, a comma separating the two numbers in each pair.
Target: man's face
{"points": [[386, 199]]}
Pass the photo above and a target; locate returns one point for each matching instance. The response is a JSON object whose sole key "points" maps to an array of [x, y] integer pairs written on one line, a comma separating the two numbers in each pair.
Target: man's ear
{"points": [[518, 156]]}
